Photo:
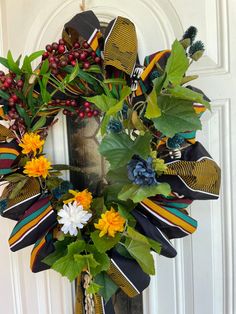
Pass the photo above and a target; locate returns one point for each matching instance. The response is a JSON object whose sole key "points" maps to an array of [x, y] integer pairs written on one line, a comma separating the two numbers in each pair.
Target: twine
{"points": [[82, 6]]}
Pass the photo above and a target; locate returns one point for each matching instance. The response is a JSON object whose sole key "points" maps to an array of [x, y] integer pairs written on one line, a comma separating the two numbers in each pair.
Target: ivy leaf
{"points": [[177, 64], [138, 193], [140, 251], [108, 289], [60, 251], [177, 115], [118, 149], [67, 265], [104, 243], [103, 102], [188, 94], [153, 110], [87, 261], [118, 175]]}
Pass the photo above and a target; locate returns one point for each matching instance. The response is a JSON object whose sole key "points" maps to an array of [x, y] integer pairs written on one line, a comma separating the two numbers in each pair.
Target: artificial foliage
{"points": [[148, 120]]}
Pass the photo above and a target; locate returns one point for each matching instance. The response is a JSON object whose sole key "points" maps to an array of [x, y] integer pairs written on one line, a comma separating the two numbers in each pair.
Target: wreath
{"points": [[148, 120]]}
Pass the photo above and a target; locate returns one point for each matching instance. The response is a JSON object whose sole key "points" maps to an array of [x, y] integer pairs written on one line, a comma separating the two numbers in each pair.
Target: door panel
{"points": [[200, 280]]}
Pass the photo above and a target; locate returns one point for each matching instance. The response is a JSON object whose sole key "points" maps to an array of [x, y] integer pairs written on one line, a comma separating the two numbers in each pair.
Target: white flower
{"points": [[73, 217]]}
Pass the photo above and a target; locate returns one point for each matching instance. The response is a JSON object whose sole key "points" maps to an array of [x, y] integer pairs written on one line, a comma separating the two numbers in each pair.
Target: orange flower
{"points": [[83, 198], [31, 142], [38, 167], [110, 223]]}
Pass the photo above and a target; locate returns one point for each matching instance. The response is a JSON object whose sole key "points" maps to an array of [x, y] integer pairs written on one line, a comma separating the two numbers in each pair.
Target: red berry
{"points": [[95, 113], [71, 57], [20, 83], [93, 54], [89, 114], [45, 55], [61, 48], [81, 114], [55, 71], [55, 46], [49, 48], [9, 80], [2, 73], [86, 65], [14, 97], [61, 42], [68, 102], [56, 59], [87, 104], [3, 79], [63, 63], [73, 63], [83, 56], [76, 54], [97, 59], [73, 103], [53, 65], [87, 110], [77, 45], [5, 84], [51, 59], [65, 112], [85, 45]]}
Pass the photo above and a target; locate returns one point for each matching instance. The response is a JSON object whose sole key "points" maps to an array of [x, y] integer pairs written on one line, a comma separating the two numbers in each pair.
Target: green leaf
{"points": [[35, 55], [26, 67], [44, 67], [93, 288], [104, 243], [17, 188], [153, 111], [137, 122], [4, 62], [115, 81], [188, 94], [104, 124], [124, 211], [16, 177], [74, 73], [140, 251], [156, 246], [12, 65], [118, 175], [4, 95], [108, 289], [177, 64], [103, 102], [87, 261], [69, 265], [118, 149], [177, 115], [60, 251], [39, 124], [135, 235], [187, 79], [22, 112], [103, 260], [138, 193], [94, 69], [125, 92]]}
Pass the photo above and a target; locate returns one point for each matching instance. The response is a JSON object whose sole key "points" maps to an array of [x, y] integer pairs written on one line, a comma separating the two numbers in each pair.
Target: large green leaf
{"points": [[188, 94], [109, 288], [103, 102], [177, 64], [177, 115], [60, 251], [140, 251], [118, 149], [138, 193], [68, 265], [104, 243], [12, 65]]}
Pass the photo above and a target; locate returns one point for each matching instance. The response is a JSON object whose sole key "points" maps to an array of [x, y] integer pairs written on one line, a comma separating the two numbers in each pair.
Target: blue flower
{"points": [[114, 126], [62, 189], [140, 171]]}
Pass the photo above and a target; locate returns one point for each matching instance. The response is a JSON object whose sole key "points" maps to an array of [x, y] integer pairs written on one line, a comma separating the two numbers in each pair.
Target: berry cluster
{"points": [[59, 56], [10, 85]]}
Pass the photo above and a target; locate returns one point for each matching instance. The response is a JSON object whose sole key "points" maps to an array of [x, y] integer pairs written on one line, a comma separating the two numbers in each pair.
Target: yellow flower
{"points": [[38, 167], [31, 142], [110, 223], [83, 198]]}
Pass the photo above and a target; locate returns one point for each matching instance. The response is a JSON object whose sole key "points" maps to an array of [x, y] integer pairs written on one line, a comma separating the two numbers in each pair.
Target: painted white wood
{"points": [[201, 279]]}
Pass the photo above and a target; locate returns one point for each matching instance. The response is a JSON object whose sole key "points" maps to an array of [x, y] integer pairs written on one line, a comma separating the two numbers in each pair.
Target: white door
{"points": [[201, 279]]}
